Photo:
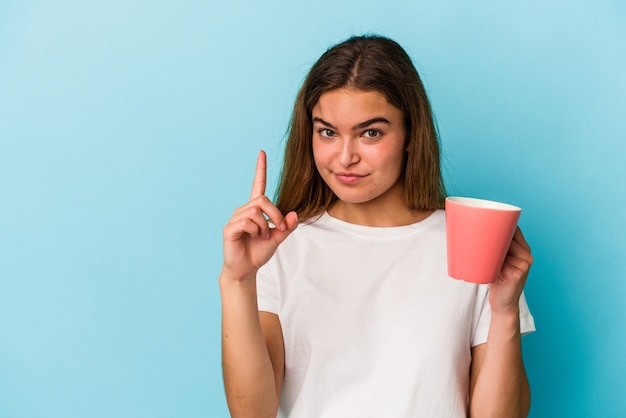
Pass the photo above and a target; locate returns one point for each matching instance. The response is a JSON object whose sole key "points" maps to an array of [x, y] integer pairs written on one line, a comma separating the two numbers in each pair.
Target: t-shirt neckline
{"points": [[379, 231]]}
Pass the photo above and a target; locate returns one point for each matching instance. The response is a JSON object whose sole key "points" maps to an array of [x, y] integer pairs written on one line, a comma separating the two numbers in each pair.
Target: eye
{"points": [[372, 134], [327, 133]]}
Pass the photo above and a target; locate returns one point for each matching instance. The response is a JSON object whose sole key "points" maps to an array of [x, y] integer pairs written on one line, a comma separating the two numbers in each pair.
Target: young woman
{"points": [[336, 300]]}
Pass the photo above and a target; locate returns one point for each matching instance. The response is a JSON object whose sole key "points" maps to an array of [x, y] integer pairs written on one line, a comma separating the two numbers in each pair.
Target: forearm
{"points": [[501, 388], [248, 374]]}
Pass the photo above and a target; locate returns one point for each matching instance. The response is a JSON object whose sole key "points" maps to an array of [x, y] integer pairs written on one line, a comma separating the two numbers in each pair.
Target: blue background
{"points": [[129, 132]]}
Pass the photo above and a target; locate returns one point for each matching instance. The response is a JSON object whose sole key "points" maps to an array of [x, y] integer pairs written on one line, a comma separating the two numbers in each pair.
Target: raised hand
{"points": [[506, 291], [249, 239]]}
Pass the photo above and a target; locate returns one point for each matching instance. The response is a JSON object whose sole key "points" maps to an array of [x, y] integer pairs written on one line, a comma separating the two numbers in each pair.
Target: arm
{"points": [[252, 352], [252, 344], [498, 382]]}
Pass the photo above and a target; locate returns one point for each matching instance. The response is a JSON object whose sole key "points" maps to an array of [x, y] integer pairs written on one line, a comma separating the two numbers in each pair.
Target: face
{"points": [[359, 147]]}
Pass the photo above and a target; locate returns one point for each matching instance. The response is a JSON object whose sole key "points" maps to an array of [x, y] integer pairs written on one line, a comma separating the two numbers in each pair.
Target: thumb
{"points": [[291, 223]]}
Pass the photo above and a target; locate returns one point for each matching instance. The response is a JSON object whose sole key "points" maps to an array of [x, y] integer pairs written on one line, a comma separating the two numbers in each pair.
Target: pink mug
{"points": [[478, 233]]}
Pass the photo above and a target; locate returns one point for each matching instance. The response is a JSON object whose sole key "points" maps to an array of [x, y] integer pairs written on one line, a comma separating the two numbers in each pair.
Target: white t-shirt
{"points": [[372, 323]]}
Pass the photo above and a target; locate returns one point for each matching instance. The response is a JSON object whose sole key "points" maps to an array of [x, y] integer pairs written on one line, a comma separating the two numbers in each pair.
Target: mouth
{"points": [[349, 178]]}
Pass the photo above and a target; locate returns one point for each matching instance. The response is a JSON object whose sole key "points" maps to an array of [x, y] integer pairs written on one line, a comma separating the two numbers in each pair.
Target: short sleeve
{"points": [[268, 295], [483, 315], [527, 322]]}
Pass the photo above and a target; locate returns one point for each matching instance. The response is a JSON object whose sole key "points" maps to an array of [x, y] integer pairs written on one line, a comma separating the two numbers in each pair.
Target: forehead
{"points": [[354, 105]]}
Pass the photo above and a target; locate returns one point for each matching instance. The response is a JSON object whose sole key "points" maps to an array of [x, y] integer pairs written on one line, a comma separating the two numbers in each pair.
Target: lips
{"points": [[349, 178]]}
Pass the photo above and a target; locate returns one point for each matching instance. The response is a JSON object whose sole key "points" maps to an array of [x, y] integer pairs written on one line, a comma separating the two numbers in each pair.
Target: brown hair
{"points": [[366, 63]]}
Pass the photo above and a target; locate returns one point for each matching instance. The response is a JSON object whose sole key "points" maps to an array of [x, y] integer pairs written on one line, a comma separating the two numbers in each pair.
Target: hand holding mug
{"points": [[485, 246]]}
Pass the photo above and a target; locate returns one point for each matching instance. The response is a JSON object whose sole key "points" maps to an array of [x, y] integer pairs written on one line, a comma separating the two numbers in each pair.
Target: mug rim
{"points": [[482, 203]]}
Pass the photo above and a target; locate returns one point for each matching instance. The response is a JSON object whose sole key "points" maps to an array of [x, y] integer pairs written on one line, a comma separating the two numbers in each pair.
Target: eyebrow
{"points": [[361, 125]]}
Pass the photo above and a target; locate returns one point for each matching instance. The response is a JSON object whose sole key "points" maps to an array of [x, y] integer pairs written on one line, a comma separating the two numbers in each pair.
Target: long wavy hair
{"points": [[373, 63]]}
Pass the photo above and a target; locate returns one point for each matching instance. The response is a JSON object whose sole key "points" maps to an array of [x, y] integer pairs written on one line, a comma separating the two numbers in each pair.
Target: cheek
{"points": [[394, 161], [317, 160], [389, 155], [320, 154], [316, 153]]}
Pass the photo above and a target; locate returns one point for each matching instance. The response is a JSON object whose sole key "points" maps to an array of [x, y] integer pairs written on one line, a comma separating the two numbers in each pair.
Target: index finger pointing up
{"points": [[258, 184]]}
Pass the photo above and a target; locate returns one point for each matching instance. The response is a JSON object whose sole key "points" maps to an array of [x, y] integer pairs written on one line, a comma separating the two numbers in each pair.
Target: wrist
{"points": [[511, 313], [238, 294], [227, 276], [229, 282], [505, 325]]}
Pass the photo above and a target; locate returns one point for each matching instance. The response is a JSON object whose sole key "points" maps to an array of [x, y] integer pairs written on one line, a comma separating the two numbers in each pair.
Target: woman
{"points": [[342, 305]]}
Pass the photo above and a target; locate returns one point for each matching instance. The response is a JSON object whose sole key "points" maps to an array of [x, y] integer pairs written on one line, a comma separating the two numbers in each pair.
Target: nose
{"points": [[349, 153]]}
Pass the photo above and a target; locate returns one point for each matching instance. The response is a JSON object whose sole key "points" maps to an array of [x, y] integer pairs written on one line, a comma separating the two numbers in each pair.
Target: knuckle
{"points": [[253, 211], [521, 264], [261, 200], [247, 224]]}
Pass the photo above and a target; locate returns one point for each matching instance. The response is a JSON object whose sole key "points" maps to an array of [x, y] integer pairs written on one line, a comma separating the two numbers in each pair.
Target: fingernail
{"points": [[282, 226]]}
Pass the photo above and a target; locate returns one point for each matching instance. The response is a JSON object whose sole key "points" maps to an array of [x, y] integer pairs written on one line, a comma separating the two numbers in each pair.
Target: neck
{"points": [[378, 214]]}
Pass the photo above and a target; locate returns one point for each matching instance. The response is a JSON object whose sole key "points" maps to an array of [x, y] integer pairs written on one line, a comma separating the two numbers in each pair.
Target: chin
{"points": [[354, 199]]}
